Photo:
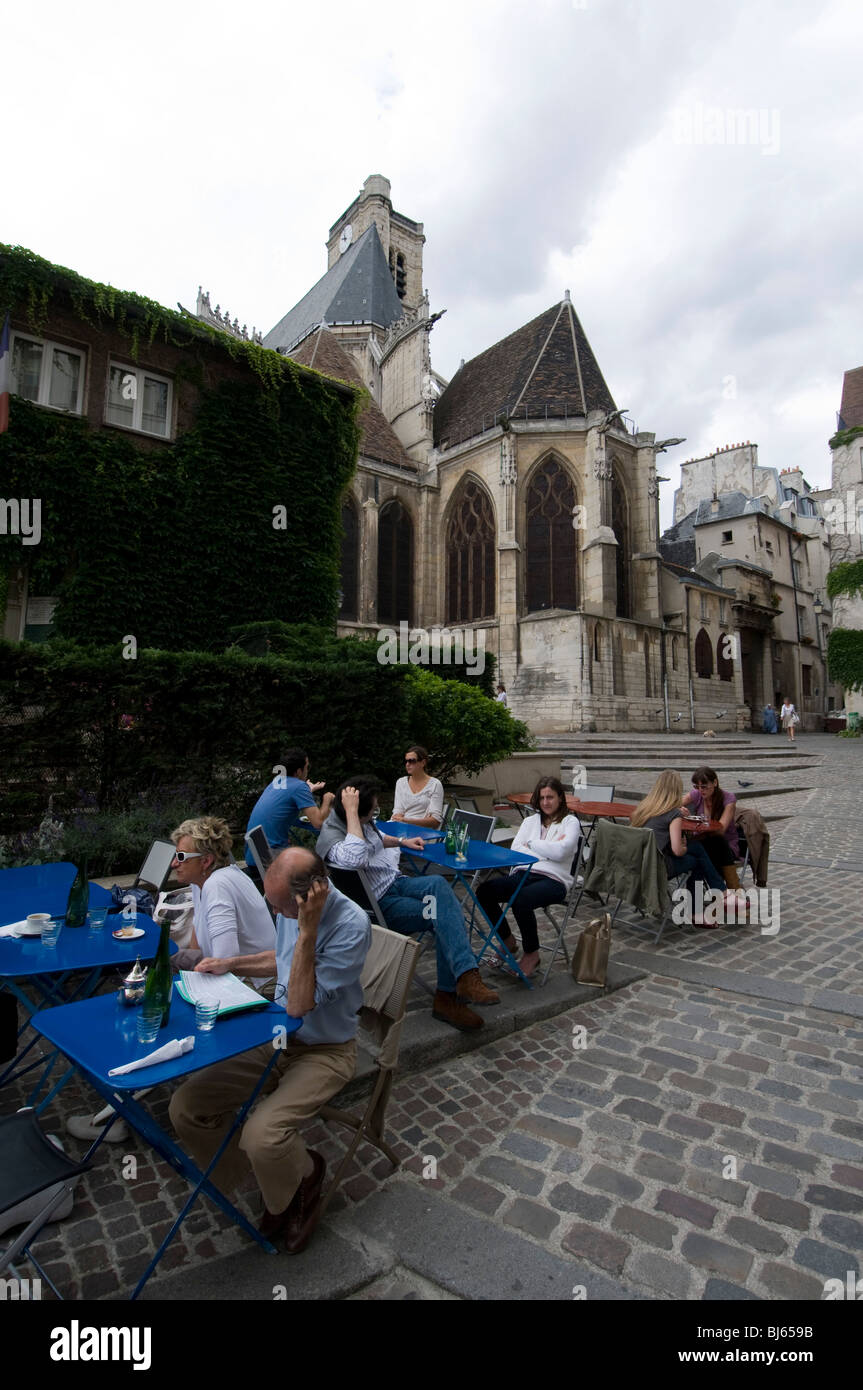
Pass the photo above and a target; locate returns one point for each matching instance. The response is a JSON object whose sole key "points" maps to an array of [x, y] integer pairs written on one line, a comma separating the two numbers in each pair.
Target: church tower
{"points": [[401, 238]]}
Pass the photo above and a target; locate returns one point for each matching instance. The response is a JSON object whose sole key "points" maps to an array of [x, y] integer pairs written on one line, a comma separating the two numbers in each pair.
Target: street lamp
{"points": [[818, 609]]}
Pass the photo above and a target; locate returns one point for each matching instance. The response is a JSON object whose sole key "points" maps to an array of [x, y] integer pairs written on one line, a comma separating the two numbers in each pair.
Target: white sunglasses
{"points": [[181, 855]]}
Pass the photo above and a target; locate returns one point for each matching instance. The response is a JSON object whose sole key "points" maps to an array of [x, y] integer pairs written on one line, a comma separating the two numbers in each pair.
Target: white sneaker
{"points": [[86, 1127], [24, 1212]]}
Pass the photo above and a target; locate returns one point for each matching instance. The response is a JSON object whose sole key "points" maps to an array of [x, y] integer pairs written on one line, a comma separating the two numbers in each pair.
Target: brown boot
{"points": [[447, 1009], [470, 987], [729, 873]]}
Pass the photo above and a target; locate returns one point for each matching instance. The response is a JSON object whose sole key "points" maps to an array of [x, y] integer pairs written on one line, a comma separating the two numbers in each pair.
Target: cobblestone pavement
{"points": [[695, 1135]]}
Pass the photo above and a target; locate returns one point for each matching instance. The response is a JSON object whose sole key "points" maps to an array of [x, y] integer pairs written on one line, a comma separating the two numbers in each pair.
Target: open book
{"points": [[197, 987]]}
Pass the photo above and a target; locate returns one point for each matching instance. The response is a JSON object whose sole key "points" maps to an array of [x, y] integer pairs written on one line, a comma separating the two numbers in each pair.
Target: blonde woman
{"points": [[660, 811], [231, 917]]}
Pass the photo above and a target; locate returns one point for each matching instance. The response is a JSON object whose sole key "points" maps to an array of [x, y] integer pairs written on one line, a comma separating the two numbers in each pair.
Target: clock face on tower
{"points": [[346, 238]]}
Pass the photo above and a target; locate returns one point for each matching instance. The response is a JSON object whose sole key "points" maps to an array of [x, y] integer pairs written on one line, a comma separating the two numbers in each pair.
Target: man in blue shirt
{"points": [[321, 943], [289, 795]]}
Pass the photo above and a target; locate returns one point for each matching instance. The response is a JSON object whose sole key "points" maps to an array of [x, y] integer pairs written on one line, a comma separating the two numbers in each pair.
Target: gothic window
{"points": [[648, 684], [703, 655], [395, 564], [398, 270], [724, 664], [348, 607], [551, 578], [470, 560], [617, 666], [620, 527]]}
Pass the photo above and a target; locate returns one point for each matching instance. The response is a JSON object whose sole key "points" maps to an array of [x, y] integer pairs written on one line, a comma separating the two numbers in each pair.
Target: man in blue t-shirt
{"points": [[288, 796]]}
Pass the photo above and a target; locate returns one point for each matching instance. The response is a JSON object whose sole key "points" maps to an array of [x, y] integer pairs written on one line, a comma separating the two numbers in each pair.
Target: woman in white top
{"points": [[231, 917], [553, 835], [419, 797], [788, 715]]}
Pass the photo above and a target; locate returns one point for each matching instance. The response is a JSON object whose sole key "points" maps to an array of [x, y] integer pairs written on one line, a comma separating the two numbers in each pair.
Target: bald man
{"points": [[321, 943]]}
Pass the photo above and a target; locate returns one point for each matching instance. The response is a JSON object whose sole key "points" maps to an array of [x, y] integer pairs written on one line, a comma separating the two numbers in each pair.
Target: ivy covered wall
{"points": [[237, 519]]}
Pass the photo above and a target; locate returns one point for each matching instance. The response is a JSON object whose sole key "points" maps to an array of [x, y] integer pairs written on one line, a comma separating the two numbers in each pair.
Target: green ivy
{"points": [[846, 578], [176, 545], [845, 657], [845, 436]]}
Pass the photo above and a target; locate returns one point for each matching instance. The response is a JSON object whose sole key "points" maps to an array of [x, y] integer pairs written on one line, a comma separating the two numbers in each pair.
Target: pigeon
{"points": [[721, 715], [657, 711], [743, 784], [677, 716]]}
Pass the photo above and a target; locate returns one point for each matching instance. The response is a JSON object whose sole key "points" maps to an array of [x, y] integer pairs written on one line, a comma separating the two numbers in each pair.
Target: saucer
{"points": [[128, 936]]}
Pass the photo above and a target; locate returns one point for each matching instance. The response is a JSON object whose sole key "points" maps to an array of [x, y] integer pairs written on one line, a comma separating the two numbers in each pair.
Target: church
{"points": [[513, 500]]}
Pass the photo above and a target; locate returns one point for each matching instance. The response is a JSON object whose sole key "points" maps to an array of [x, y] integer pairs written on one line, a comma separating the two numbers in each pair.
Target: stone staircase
{"points": [[633, 761]]}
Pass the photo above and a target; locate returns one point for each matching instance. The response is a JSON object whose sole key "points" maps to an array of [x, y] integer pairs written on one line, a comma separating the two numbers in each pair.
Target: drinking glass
{"points": [[462, 837], [97, 918], [147, 1022], [206, 1015], [51, 931]]}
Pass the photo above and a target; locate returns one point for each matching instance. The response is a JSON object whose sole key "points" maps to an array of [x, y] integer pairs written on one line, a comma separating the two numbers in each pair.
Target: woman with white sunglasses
{"points": [[231, 917]]}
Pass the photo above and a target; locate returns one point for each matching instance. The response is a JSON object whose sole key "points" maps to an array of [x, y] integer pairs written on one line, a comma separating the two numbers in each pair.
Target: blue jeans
{"points": [[698, 861], [403, 905]]}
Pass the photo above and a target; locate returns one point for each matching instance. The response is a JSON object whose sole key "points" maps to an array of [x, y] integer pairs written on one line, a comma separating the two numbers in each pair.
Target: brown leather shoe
{"points": [[303, 1211], [470, 987], [448, 1009]]}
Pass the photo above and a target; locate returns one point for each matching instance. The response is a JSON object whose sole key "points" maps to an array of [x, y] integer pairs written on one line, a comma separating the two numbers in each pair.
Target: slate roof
{"points": [[546, 364], [357, 288], [851, 409], [685, 573], [323, 351]]}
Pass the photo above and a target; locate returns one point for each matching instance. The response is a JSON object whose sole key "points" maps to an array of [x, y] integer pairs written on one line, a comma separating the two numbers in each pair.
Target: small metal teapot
{"points": [[133, 985]]}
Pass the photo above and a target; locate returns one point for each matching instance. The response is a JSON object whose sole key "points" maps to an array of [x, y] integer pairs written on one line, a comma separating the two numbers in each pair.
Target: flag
{"points": [[5, 359]]}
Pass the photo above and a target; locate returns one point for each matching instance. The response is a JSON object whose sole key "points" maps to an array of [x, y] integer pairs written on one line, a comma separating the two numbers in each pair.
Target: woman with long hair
{"points": [[419, 796], [660, 811], [553, 835], [709, 800]]}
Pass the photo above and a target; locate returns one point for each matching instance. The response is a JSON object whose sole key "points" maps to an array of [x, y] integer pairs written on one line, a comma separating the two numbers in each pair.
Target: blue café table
{"points": [[47, 969], [481, 858], [99, 1033]]}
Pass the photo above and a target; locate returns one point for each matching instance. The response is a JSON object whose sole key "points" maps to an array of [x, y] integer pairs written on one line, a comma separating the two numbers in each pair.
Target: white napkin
{"points": [[16, 929], [175, 1048]]}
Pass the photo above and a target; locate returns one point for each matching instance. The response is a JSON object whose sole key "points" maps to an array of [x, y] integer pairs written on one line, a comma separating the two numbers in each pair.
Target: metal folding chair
{"points": [[156, 868], [30, 1166], [609, 874], [260, 849], [356, 885], [387, 975]]}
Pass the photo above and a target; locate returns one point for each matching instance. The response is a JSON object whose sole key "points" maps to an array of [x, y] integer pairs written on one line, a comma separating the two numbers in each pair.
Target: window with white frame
{"points": [[47, 373], [138, 400]]}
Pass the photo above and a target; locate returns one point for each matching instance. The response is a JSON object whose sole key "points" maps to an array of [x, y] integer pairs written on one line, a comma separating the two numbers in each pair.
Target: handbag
{"points": [[795, 718], [590, 961]]}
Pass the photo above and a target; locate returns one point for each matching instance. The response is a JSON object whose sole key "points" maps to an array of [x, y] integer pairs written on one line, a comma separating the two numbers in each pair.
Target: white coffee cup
{"points": [[37, 922]]}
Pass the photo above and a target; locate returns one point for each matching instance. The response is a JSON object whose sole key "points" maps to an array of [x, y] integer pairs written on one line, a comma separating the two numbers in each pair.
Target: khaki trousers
{"points": [[303, 1079]]}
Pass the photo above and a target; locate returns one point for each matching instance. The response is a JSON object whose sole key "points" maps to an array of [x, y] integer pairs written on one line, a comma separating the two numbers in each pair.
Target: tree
{"points": [[461, 727]]}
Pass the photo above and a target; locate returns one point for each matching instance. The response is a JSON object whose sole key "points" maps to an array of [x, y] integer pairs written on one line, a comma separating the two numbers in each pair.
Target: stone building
{"points": [[843, 505], [762, 535], [515, 500]]}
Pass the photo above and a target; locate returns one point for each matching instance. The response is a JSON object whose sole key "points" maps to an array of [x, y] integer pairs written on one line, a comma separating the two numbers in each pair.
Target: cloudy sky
{"points": [[690, 172]]}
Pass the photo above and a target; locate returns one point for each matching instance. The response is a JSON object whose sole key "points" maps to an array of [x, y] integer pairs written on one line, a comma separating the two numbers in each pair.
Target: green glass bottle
{"points": [[160, 980], [449, 840], [79, 898]]}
